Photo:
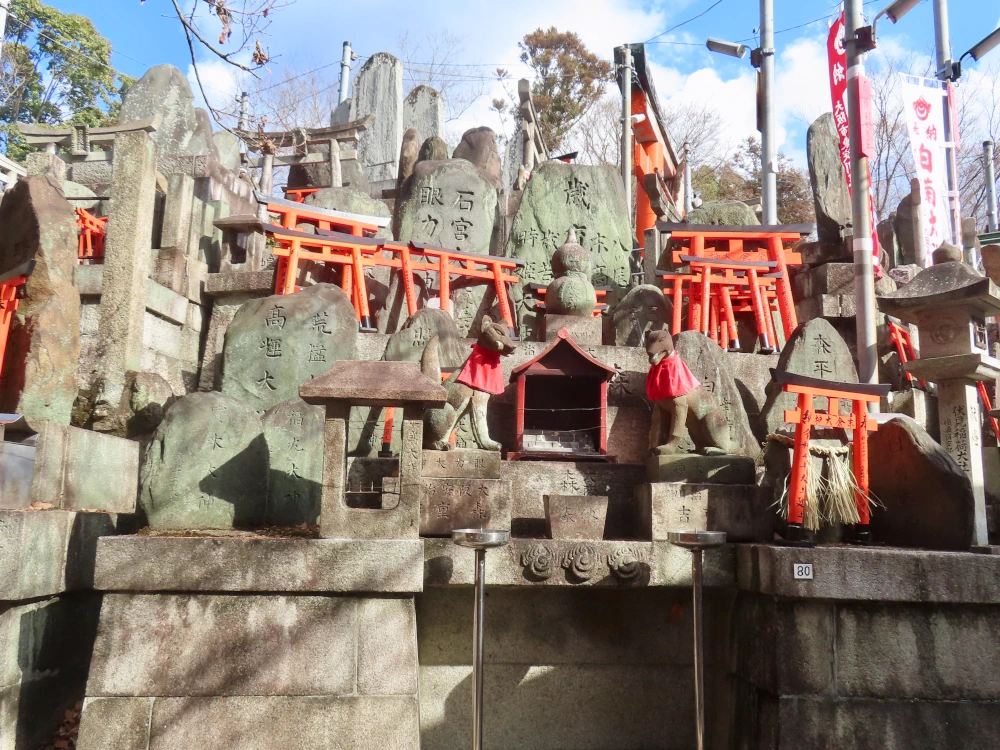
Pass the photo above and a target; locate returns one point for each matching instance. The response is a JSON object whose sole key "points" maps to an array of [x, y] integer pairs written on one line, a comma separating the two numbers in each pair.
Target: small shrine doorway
{"points": [[562, 404]]}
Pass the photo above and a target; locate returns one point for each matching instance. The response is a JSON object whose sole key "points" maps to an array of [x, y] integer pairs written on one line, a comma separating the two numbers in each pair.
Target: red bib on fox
{"points": [[482, 371], [670, 378]]}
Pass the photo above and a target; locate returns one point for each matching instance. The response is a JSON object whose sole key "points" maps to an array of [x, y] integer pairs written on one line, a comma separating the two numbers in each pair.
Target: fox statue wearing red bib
{"points": [[677, 397], [469, 387]]}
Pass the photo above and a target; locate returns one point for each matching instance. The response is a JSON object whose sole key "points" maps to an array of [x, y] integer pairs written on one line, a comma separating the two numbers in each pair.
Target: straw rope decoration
{"points": [[830, 492]]}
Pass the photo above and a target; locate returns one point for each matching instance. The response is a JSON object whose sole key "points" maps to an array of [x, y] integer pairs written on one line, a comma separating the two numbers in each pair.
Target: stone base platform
{"points": [[698, 469], [584, 331]]}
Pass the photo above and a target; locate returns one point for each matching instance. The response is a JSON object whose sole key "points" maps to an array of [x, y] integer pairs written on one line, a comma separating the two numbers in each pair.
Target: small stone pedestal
{"points": [[740, 510], [586, 331]]}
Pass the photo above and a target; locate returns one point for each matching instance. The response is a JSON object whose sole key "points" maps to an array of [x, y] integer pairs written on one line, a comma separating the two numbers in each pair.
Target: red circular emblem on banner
{"points": [[922, 107]]}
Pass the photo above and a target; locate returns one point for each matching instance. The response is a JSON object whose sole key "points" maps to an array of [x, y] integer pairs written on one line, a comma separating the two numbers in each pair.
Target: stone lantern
{"points": [[950, 302]]}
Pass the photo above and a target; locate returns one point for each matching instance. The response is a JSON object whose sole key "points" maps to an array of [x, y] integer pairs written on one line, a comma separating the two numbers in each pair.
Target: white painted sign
{"points": [[802, 571]]}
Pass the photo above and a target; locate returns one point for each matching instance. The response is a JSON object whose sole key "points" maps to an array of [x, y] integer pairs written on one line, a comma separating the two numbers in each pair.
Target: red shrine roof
{"points": [[563, 345]]}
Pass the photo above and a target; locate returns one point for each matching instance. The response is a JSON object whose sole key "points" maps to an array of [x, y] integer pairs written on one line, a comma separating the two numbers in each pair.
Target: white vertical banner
{"points": [[924, 105]]}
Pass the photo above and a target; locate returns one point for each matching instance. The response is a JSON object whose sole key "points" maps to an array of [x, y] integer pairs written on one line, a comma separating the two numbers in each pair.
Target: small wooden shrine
{"points": [[562, 404]]}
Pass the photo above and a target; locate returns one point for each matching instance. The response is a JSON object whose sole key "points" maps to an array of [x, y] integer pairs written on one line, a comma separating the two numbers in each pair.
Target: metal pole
{"points": [[477, 652], [768, 143], [244, 110], [697, 557], [688, 195], [864, 272], [627, 125], [345, 72], [991, 187], [697, 542], [942, 44], [4, 7]]}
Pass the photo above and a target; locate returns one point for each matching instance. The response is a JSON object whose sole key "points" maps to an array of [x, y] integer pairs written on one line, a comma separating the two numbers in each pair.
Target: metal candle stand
{"points": [[698, 542], [480, 540]]}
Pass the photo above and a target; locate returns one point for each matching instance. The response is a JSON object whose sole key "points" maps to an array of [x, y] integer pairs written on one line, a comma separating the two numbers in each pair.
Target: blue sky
{"points": [[310, 32]]}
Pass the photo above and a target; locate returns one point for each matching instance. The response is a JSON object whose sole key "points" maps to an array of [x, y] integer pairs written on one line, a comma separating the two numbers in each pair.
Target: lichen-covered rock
{"points": [[277, 343], [378, 90], [723, 213], [645, 308], [206, 467], [423, 109], [43, 345], [228, 146], [479, 146], [433, 149], [815, 350], [294, 433], [164, 90], [450, 204], [826, 176], [924, 498], [708, 363], [587, 199]]}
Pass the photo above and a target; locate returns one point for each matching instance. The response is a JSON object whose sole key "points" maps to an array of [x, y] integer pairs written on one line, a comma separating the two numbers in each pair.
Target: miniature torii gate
{"points": [[9, 284], [79, 138], [805, 416], [269, 143]]}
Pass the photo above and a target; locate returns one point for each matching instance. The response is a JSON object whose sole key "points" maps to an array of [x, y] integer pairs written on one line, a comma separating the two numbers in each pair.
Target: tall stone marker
{"points": [[449, 204], [277, 343], [378, 90], [165, 90], [423, 109], [589, 200], [40, 367], [826, 176], [815, 350], [127, 247]]}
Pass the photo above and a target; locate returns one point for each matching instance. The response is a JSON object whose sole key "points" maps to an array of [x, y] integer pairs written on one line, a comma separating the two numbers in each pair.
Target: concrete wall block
{"points": [[166, 303], [145, 564], [303, 723], [884, 724], [162, 336], [90, 317], [33, 546], [224, 645], [89, 280], [912, 651], [566, 626], [182, 376], [195, 316], [387, 647], [581, 706], [115, 724], [784, 647]]}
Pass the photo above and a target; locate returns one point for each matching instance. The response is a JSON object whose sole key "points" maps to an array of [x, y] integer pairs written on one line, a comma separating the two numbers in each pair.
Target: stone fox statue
{"points": [[677, 396], [469, 387]]}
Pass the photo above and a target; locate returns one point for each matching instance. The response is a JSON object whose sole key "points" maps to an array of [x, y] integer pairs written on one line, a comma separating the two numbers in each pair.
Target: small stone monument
{"points": [[571, 298], [950, 302]]}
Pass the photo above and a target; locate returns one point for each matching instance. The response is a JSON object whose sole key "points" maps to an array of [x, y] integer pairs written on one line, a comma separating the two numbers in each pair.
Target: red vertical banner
{"points": [[837, 56]]}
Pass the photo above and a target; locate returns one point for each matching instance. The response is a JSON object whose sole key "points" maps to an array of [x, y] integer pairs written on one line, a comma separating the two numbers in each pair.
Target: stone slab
{"points": [[73, 468], [871, 574], [142, 563], [740, 510], [827, 306], [47, 552], [576, 516], [697, 469], [539, 562], [262, 723], [468, 463], [447, 504], [115, 724], [830, 278], [270, 645], [260, 283], [387, 646], [584, 331]]}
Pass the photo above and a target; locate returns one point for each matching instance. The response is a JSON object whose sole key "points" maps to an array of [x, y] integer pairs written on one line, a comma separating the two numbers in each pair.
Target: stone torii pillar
{"points": [[127, 249], [950, 302]]}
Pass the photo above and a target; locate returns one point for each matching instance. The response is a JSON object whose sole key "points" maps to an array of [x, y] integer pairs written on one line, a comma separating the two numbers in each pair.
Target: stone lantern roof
{"points": [[950, 284]]}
